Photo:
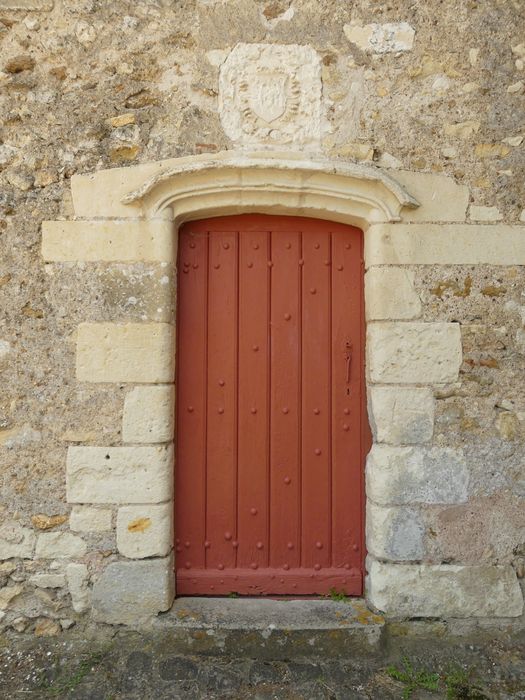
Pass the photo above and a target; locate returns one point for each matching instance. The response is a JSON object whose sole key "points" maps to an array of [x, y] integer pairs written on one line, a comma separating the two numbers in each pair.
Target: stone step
{"points": [[273, 629]]}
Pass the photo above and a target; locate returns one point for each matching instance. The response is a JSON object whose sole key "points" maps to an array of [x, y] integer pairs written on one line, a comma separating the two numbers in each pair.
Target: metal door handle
{"points": [[348, 358]]}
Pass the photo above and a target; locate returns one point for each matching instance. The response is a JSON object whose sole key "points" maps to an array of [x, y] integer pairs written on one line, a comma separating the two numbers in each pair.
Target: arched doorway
{"points": [[272, 429]]}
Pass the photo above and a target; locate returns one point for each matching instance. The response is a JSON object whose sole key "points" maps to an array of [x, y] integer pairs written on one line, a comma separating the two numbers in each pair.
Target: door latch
{"points": [[348, 359]]}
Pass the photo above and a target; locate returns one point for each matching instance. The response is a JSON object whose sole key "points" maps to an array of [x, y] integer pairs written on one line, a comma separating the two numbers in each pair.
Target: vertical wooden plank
{"points": [[221, 475], [191, 399], [316, 439], [285, 372], [347, 372], [253, 474]]}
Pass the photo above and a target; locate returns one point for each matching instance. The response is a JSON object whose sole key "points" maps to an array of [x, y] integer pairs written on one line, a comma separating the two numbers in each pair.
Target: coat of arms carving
{"points": [[271, 95]]}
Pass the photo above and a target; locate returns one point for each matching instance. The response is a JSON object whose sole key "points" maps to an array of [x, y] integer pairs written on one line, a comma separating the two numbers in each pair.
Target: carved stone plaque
{"points": [[270, 95]]}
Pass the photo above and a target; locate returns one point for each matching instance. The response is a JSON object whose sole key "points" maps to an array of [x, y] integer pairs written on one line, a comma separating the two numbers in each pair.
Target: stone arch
{"points": [[224, 184]]}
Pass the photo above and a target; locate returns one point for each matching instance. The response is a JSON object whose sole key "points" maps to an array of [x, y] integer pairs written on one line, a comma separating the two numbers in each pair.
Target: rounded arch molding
{"points": [[228, 183]]}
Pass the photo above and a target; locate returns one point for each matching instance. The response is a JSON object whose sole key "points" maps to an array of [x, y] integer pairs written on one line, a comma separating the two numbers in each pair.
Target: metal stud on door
{"points": [[271, 423]]}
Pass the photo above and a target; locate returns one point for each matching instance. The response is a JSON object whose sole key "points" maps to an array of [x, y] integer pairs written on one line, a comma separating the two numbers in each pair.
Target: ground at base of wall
{"points": [[129, 665]]}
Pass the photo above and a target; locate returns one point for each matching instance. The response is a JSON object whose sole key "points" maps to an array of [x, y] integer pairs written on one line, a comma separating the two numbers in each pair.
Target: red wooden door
{"points": [[271, 427]]}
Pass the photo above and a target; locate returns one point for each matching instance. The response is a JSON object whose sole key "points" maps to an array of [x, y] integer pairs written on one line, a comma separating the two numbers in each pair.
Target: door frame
{"points": [[133, 215], [203, 187]]}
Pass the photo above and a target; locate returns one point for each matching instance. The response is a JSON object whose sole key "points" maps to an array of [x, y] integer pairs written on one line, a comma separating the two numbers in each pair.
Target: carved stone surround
{"points": [[132, 215]]}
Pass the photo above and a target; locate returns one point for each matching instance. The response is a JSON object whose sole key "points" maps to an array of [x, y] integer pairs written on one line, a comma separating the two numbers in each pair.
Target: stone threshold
{"points": [[269, 628]]}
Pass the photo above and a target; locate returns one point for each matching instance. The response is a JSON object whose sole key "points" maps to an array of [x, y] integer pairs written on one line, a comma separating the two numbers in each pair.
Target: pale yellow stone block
{"points": [[108, 241], [390, 294], [462, 130], [89, 519], [132, 352], [100, 193], [140, 474], [480, 213], [145, 530], [451, 244], [413, 353], [401, 415], [440, 197], [149, 414]]}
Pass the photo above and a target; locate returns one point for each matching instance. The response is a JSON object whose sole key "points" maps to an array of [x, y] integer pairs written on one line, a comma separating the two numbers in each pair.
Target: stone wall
{"points": [[433, 95]]}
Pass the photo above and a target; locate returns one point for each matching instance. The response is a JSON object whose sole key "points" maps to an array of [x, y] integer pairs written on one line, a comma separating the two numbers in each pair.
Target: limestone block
{"points": [[109, 241], [410, 475], [5, 349], [440, 197], [391, 37], [132, 352], [48, 580], [394, 534], [7, 594], [77, 580], [229, 182], [401, 415], [88, 519], [53, 545], [132, 592], [462, 130], [271, 94], [414, 353], [390, 294], [145, 530], [445, 244], [478, 213], [149, 414], [409, 590], [139, 474], [16, 541], [26, 4], [100, 193]]}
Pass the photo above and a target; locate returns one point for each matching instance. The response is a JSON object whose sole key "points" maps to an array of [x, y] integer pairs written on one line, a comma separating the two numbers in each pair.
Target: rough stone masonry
{"points": [[406, 117]]}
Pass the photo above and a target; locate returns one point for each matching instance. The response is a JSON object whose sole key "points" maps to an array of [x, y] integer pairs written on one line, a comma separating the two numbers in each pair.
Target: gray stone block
{"points": [[133, 592], [394, 534], [412, 590], [409, 475]]}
